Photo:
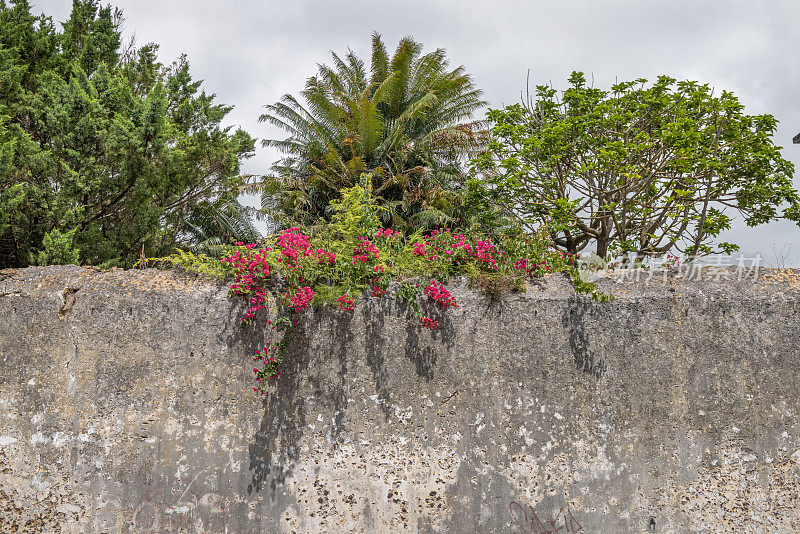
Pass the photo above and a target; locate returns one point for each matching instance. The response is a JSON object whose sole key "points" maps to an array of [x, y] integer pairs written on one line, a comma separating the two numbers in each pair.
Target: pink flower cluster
{"points": [[346, 302], [295, 265], [293, 244], [388, 232], [419, 250], [377, 291], [262, 355], [293, 238], [524, 264], [452, 245], [301, 298], [257, 302], [249, 272], [365, 251], [429, 323], [568, 256], [485, 251], [323, 256], [252, 269], [248, 269], [439, 294]]}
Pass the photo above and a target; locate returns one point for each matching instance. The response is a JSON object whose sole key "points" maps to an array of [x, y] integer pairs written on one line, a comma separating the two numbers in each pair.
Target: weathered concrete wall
{"points": [[125, 406]]}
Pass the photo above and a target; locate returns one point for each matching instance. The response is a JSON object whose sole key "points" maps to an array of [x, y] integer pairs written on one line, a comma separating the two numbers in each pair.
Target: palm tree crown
{"points": [[401, 123]]}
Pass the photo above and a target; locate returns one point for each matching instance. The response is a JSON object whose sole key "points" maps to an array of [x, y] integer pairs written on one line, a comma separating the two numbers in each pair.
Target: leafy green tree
{"points": [[102, 143], [401, 123], [640, 168], [57, 248]]}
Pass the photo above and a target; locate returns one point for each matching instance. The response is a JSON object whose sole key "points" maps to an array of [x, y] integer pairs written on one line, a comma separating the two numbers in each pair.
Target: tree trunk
{"points": [[602, 246]]}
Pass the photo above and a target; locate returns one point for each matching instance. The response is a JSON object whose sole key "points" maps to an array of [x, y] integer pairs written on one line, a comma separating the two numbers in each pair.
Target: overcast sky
{"points": [[250, 53]]}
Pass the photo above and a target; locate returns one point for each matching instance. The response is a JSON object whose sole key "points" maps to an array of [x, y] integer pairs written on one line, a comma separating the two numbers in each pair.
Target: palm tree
{"points": [[209, 226], [401, 124]]}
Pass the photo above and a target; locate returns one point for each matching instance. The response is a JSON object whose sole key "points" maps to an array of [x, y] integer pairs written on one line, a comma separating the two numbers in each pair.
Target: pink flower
{"points": [[345, 302], [302, 298], [438, 293], [365, 251], [427, 322]]}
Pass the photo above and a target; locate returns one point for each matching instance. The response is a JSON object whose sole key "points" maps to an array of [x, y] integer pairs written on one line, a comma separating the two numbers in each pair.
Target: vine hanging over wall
{"points": [[353, 257]]}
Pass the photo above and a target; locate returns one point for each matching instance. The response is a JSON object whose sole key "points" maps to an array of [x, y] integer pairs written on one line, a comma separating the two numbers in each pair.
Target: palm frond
{"points": [[401, 122]]}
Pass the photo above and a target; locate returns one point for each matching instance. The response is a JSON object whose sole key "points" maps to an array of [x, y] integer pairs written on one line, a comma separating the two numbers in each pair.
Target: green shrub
{"points": [[58, 248]]}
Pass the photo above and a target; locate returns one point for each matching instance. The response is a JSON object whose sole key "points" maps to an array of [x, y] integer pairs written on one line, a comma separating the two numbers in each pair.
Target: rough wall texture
{"points": [[125, 406]]}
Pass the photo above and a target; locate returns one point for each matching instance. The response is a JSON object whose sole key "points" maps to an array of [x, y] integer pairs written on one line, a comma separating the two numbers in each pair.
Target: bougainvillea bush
{"points": [[352, 257]]}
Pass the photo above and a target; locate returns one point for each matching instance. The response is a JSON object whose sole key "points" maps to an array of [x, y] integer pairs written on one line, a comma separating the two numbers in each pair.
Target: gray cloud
{"points": [[250, 53]]}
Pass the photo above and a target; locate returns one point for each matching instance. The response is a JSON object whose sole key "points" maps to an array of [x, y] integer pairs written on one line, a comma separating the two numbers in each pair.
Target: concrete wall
{"points": [[126, 406]]}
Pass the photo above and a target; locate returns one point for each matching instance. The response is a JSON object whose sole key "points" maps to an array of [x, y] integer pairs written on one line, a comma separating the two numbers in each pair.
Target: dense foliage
{"points": [[354, 257], [105, 153], [401, 122], [640, 168]]}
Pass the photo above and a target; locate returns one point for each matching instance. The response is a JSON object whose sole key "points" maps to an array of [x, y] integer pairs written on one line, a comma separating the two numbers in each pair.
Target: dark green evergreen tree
{"points": [[104, 145]]}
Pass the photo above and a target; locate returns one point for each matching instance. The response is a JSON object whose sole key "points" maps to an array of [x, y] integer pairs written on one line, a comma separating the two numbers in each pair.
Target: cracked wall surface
{"points": [[126, 406]]}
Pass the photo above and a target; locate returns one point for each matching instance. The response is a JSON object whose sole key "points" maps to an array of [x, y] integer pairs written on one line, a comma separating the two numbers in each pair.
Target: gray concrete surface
{"points": [[126, 406]]}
